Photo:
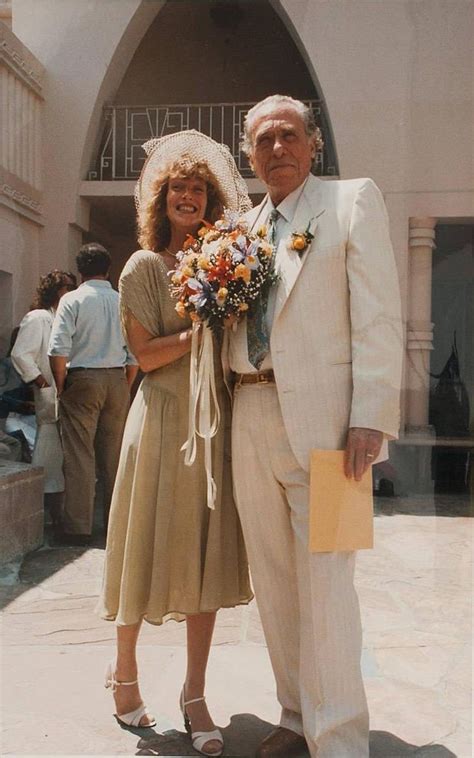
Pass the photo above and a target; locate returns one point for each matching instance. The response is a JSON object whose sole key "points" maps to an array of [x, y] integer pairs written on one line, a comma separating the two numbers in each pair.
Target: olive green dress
{"points": [[168, 555]]}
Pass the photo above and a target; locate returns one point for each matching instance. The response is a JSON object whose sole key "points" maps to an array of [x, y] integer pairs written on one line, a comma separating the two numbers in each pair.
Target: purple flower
{"points": [[203, 293]]}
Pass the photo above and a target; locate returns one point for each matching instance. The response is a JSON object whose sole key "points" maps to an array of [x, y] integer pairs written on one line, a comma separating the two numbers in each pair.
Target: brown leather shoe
{"points": [[282, 743]]}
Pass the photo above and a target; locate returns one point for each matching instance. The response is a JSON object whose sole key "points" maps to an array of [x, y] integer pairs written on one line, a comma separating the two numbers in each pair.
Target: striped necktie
{"points": [[258, 338]]}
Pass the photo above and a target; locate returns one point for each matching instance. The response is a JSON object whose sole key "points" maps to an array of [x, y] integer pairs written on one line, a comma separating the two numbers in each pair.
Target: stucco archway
{"points": [[209, 88]]}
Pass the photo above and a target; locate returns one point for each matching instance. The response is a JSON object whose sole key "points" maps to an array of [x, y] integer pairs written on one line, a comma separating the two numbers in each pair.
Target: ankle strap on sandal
{"points": [[195, 700], [113, 683]]}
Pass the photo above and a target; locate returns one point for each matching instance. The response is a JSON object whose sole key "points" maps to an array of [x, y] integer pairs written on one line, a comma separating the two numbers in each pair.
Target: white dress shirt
{"points": [[87, 329]]}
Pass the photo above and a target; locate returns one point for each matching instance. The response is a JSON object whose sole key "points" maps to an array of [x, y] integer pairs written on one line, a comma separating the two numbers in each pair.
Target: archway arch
{"points": [[197, 65]]}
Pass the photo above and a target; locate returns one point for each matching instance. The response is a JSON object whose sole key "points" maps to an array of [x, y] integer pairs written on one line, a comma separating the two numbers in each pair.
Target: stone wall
{"points": [[21, 509]]}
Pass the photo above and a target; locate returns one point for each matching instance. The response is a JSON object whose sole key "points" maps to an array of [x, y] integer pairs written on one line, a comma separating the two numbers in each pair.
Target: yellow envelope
{"points": [[341, 510]]}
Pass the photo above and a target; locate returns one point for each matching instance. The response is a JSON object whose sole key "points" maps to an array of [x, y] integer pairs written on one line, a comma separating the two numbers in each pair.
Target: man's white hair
{"points": [[271, 103]]}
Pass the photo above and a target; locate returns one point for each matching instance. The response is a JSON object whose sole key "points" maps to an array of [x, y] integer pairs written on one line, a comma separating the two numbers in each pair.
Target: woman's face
{"points": [[186, 203]]}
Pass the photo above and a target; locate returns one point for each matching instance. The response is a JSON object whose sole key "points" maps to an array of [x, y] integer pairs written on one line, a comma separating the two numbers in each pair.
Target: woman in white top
{"points": [[30, 358]]}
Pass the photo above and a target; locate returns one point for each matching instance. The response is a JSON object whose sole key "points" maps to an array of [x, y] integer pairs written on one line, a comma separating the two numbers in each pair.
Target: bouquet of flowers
{"points": [[221, 273], [219, 276]]}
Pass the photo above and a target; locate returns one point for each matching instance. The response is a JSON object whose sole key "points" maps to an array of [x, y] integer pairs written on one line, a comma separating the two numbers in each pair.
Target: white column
{"points": [[420, 326]]}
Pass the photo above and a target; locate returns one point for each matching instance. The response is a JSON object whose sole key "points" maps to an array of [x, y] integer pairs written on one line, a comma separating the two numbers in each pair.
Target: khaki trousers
{"points": [[92, 412], [307, 602]]}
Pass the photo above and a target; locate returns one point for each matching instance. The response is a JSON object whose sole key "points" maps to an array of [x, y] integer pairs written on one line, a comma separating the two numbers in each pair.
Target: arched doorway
{"points": [[199, 65]]}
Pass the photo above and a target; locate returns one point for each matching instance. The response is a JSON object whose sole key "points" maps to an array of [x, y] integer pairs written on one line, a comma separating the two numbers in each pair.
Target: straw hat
{"points": [[189, 148]]}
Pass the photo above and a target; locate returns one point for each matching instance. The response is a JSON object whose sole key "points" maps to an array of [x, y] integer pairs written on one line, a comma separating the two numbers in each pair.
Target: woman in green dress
{"points": [[168, 555]]}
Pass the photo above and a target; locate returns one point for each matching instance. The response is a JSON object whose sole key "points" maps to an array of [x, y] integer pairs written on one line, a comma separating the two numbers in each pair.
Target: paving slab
{"points": [[415, 590]]}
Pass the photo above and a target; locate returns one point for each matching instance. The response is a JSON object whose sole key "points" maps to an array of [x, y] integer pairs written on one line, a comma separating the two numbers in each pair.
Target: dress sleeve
{"points": [[26, 353], [139, 289]]}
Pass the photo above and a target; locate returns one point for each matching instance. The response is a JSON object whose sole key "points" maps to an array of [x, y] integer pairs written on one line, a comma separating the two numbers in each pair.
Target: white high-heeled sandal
{"points": [[134, 717], [199, 739]]}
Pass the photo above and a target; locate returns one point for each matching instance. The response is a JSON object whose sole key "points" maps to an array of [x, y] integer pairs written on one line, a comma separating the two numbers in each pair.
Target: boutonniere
{"points": [[299, 241]]}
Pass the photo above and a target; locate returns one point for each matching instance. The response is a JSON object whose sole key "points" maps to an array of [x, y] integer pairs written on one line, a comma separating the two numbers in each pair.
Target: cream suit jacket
{"points": [[336, 340]]}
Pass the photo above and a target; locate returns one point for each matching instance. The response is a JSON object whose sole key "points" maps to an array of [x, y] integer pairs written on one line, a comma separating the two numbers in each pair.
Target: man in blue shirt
{"points": [[93, 371]]}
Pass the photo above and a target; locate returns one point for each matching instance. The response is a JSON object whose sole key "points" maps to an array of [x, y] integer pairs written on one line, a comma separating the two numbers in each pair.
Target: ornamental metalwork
{"points": [[120, 155]]}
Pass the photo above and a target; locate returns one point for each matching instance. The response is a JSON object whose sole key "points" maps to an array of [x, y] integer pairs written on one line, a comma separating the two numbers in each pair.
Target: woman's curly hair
{"points": [[154, 230], [49, 286]]}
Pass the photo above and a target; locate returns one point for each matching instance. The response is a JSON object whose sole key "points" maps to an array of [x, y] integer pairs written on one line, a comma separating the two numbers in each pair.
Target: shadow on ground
{"points": [[245, 732], [242, 736], [30, 571], [387, 745]]}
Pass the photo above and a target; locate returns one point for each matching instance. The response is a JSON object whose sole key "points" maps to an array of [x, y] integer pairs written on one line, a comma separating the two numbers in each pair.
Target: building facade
{"points": [[391, 83]]}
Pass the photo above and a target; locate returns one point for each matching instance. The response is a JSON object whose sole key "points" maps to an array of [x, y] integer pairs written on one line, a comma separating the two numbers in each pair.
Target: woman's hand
{"points": [[231, 320], [154, 352]]}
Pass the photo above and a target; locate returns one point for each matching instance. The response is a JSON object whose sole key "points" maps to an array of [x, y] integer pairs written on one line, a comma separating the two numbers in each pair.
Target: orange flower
{"points": [[266, 249], [180, 309], [221, 271], [205, 229], [242, 272], [299, 242], [221, 295], [188, 242]]}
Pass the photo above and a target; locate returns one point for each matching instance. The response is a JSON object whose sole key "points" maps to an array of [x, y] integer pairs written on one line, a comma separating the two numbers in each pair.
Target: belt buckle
{"points": [[262, 378]]}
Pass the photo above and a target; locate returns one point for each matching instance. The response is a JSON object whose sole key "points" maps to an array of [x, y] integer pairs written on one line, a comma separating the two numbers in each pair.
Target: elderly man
{"points": [[93, 371], [318, 366]]}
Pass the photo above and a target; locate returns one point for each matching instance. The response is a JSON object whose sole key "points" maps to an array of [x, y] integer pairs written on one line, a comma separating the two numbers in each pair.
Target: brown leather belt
{"points": [[100, 368], [260, 377]]}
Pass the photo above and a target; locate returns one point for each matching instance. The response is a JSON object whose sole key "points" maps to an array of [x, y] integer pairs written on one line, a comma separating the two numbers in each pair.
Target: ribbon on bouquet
{"points": [[203, 413]]}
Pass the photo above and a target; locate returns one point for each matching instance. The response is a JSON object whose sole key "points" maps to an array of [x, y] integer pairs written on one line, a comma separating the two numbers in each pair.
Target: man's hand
{"points": [[58, 367], [131, 371], [362, 448]]}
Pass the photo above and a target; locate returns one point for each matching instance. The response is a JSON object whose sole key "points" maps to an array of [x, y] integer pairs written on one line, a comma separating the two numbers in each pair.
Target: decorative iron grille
{"points": [[121, 156]]}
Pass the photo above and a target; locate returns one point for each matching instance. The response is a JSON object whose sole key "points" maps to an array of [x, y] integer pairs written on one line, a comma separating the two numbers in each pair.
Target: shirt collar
{"points": [[96, 283], [287, 207]]}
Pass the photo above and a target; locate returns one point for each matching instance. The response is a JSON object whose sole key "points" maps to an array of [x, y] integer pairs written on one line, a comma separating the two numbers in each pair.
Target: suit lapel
{"points": [[309, 207], [256, 215]]}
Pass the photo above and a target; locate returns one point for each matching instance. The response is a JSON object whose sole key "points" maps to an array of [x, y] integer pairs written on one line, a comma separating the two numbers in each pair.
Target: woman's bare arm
{"points": [[154, 352]]}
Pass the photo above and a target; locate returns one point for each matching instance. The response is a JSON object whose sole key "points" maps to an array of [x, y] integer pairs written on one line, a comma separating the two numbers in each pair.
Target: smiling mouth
{"points": [[186, 208]]}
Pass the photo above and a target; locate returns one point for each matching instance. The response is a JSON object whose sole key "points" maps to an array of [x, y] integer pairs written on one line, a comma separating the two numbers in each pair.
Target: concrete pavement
{"points": [[415, 590]]}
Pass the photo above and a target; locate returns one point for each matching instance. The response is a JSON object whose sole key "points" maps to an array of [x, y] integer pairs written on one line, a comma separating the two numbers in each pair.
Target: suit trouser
{"points": [[92, 413], [307, 602]]}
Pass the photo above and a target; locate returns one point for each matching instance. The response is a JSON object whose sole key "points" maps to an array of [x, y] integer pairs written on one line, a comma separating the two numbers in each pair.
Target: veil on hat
{"points": [[189, 148]]}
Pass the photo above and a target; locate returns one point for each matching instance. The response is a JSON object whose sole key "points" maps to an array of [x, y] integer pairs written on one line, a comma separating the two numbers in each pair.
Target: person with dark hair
{"points": [[93, 371], [29, 356], [93, 260], [51, 288]]}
